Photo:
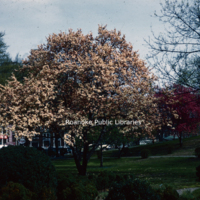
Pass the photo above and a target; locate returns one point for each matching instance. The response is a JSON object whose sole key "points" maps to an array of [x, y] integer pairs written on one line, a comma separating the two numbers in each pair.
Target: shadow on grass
{"points": [[98, 167]]}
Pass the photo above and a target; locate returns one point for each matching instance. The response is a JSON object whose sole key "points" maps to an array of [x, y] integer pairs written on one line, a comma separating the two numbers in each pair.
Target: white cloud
{"points": [[28, 1], [27, 22]]}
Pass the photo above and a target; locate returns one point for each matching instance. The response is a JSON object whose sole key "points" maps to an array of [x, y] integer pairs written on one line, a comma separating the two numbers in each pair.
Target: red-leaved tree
{"points": [[182, 108]]}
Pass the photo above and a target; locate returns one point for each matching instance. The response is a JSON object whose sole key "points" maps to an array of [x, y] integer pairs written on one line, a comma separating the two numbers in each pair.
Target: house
{"points": [[7, 140], [44, 140]]}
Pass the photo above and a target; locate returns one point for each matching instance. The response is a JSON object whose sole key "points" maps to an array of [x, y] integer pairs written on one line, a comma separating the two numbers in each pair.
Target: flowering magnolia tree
{"points": [[182, 108], [81, 78]]}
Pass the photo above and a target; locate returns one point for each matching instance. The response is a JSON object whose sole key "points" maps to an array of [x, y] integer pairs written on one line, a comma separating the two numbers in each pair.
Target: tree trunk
{"points": [[77, 162], [40, 140], [120, 151], [27, 142], [56, 141], [138, 141], [79, 153], [161, 137], [85, 160], [82, 169], [180, 140], [101, 155], [51, 141]]}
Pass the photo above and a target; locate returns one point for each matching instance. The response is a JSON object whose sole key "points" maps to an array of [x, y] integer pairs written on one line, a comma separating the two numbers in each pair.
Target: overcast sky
{"points": [[26, 23]]}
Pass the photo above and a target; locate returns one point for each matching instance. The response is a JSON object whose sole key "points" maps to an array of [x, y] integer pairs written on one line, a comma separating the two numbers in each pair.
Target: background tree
{"points": [[112, 137], [77, 77], [3, 55], [190, 75], [186, 104], [7, 65], [175, 53]]}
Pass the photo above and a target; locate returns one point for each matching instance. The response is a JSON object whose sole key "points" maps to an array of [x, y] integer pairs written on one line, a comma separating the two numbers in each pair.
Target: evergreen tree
{"points": [[7, 65], [3, 55]]}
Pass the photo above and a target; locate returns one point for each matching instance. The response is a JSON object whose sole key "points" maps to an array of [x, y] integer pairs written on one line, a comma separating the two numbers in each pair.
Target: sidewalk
{"points": [[186, 156], [186, 189]]}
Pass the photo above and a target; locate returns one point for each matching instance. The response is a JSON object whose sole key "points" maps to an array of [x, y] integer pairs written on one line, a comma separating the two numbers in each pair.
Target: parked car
{"points": [[169, 138], [105, 147], [108, 147], [121, 146], [142, 142], [69, 150], [1, 146]]}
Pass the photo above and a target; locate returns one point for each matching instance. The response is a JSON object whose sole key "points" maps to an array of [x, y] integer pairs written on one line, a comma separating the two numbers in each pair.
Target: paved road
{"points": [[186, 189], [186, 156]]}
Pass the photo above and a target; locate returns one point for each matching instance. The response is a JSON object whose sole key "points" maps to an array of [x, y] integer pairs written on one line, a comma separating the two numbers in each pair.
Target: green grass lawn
{"points": [[161, 148], [178, 172]]}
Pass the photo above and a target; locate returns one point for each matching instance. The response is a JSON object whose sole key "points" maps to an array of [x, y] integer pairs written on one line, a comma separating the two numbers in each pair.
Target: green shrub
{"points": [[198, 172], [47, 194], [76, 187], [63, 183], [98, 152], [145, 153], [102, 195], [119, 178], [63, 151], [169, 149], [111, 178], [116, 192], [187, 195], [123, 178], [197, 152], [132, 190], [41, 149], [51, 152], [105, 179], [126, 151], [167, 193], [170, 194], [29, 167], [83, 191], [196, 193], [15, 191], [102, 181], [92, 178]]}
